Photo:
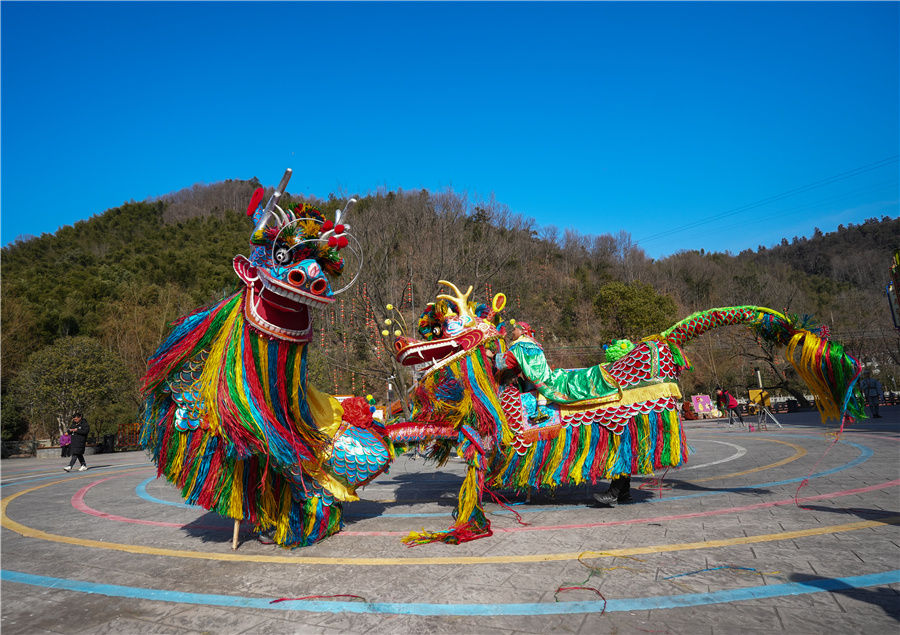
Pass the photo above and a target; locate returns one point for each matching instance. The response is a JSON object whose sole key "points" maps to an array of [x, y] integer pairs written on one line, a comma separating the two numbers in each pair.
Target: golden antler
{"points": [[461, 301]]}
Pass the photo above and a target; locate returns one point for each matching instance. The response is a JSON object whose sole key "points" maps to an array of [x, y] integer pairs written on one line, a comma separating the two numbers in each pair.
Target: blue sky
{"points": [[680, 123]]}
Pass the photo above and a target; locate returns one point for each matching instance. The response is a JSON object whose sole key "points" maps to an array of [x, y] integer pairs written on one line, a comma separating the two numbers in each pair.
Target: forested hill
{"points": [[121, 277]]}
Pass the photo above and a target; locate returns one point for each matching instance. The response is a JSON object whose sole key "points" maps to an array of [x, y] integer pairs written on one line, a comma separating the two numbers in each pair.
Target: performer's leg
{"points": [[616, 486], [625, 489]]}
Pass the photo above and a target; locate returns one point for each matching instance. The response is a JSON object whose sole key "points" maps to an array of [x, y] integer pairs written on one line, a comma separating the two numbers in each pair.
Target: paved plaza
{"points": [[778, 530]]}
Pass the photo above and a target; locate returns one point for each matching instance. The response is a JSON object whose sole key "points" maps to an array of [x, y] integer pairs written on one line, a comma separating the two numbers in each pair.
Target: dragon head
{"points": [[447, 327], [294, 264]]}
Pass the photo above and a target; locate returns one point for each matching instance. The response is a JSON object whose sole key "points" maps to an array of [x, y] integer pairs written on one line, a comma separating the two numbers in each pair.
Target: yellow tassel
{"points": [[468, 498], [281, 526], [311, 513], [672, 430], [174, 469], [209, 379], [810, 371], [613, 453], [525, 470]]}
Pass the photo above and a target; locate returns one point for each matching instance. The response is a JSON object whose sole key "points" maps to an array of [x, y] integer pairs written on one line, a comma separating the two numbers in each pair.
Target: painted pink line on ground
{"points": [[79, 504], [634, 521]]}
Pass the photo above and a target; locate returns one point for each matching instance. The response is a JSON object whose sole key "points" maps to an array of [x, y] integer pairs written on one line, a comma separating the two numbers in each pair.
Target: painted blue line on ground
{"points": [[75, 472], [423, 609], [141, 490]]}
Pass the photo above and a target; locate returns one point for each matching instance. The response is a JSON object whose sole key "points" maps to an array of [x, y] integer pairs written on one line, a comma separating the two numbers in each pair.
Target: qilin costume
{"points": [[229, 416], [628, 424]]}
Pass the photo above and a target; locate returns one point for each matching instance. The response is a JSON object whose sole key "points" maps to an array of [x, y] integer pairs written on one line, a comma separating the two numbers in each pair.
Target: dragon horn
{"points": [[341, 216], [268, 211], [461, 301]]}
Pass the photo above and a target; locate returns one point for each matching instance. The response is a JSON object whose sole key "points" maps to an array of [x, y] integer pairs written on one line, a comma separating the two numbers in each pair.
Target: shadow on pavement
{"points": [[883, 597]]}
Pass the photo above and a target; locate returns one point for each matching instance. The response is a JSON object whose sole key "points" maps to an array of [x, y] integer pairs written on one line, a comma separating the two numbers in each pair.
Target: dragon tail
{"points": [[826, 368]]}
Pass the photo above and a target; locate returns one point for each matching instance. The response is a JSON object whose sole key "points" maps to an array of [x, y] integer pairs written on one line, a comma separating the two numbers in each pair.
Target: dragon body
{"points": [[511, 440]]}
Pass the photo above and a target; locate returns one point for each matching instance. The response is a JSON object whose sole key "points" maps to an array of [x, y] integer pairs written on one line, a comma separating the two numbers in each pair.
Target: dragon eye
{"points": [[282, 255], [436, 330]]}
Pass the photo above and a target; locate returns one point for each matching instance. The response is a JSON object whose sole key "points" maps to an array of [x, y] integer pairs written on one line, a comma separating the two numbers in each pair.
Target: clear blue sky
{"points": [[670, 121]]}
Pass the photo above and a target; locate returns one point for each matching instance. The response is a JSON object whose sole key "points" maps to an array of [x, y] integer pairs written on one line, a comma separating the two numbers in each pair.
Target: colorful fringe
{"points": [[462, 392], [255, 425], [589, 453]]}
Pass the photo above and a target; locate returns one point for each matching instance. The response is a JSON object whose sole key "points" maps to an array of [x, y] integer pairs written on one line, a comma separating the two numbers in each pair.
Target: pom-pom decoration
{"points": [[255, 201], [617, 349], [356, 412]]}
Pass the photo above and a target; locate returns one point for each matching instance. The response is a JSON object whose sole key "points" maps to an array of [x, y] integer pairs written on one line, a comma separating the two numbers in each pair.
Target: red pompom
{"points": [[342, 242], [339, 229], [332, 242], [327, 225], [254, 202], [356, 412]]}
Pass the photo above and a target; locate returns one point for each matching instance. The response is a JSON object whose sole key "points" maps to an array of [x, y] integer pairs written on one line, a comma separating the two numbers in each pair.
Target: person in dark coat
{"points": [[79, 431]]}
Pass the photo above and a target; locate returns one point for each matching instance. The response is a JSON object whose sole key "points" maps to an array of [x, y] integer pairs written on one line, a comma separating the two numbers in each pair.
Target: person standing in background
{"points": [[727, 403], [79, 431], [874, 393]]}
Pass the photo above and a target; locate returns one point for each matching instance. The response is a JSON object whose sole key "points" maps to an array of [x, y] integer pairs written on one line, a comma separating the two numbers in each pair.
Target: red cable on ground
{"points": [[318, 597]]}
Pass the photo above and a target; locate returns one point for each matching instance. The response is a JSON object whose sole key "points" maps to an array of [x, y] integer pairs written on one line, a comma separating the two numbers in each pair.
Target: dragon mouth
{"points": [[424, 354], [280, 312]]}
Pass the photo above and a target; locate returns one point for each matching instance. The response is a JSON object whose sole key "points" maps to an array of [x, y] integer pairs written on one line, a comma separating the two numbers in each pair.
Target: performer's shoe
{"points": [[67, 468], [82, 468], [541, 418], [266, 538], [607, 498], [625, 498]]}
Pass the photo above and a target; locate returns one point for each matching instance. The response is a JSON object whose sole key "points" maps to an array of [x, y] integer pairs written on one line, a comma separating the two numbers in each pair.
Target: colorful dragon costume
{"points": [[228, 414], [632, 427]]}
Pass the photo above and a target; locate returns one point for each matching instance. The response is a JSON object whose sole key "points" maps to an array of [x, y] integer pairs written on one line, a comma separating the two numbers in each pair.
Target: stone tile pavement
{"points": [[781, 530]]}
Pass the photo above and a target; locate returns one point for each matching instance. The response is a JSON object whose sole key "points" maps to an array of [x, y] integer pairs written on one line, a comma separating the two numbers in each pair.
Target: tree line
{"points": [[118, 279]]}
